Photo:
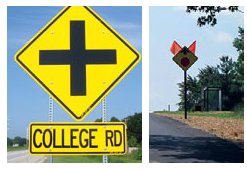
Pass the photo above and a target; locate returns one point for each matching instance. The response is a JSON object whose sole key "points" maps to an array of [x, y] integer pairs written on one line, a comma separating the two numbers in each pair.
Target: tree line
{"points": [[16, 140], [227, 75]]}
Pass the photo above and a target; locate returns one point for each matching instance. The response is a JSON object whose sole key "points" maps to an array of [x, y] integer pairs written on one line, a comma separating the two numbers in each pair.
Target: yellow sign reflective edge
{"points": [[95, 138]]}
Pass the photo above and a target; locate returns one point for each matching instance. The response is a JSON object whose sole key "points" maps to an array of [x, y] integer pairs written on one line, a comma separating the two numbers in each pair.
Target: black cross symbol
{"points": [[185, 50], [77, 57]]}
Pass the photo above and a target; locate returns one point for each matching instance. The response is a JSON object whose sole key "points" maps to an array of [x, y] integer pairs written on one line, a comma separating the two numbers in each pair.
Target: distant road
{"points": [[24, 157], [171, 141]]}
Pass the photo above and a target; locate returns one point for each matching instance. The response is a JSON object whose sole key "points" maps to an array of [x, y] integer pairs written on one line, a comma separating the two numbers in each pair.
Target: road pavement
{"points": [[171, 141], [24, 157]]}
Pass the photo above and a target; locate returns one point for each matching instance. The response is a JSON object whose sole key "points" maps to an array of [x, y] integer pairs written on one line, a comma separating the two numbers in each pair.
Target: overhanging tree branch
{"points": [[210, 13]]}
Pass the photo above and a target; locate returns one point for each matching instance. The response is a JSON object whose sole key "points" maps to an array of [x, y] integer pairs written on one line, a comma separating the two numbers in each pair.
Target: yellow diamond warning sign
{"points": [[78, 138], [77, 58]]}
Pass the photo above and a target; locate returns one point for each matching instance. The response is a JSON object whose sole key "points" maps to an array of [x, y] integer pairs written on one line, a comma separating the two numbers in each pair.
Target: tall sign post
{"points": [[50, 119], [184, 58], [104, 157], [77, 58]]}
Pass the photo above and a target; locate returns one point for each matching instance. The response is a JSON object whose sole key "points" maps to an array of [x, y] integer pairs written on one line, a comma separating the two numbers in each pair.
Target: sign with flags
{"points": [[184, 57]]}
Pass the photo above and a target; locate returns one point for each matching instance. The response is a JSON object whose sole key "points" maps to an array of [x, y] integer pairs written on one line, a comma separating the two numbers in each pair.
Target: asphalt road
{"points": [[171, 141], [24, 157]]}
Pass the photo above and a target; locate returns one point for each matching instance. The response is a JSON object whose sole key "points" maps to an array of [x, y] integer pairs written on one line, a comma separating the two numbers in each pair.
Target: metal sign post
{"points": [[50, 119], [185, 94], [104, 158], [27, 138]]}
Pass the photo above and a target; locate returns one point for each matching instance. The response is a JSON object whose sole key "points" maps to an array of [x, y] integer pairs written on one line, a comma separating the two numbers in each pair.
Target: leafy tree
{"points": [[208, 77], [20, 141], [9, 141], [132, 142], [210, 12], [238, 43], [98, 120], [193, 93], [114, 119], [134, 126], [229, 88]]}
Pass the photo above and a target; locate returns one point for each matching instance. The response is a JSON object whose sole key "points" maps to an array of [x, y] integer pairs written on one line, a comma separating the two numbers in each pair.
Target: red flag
{"points": [[192, 47], [175, 48]]}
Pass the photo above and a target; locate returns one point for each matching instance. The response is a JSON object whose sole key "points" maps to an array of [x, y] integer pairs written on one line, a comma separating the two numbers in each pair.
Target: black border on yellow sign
{"points": [[76, 124], [109, 88]]}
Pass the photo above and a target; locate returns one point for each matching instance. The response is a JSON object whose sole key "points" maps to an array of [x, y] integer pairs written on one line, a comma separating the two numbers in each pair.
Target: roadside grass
{"points": [[94, 159], [134, 157], [218, 114], [10, 148]]}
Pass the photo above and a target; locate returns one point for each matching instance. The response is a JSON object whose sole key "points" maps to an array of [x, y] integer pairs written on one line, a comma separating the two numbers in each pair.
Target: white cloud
{"points": [[179, 8], [127, 26], [129, 30], [220, 37], [223, 37]]}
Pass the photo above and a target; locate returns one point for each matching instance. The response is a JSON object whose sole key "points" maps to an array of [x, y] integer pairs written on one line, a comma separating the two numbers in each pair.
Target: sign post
{"points": [[104, 157], [50, 117], [185, 94], [184, 58]]}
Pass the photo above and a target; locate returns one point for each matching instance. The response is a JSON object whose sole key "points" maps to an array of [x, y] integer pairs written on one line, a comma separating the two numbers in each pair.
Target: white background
{"points": [[145, 78]]}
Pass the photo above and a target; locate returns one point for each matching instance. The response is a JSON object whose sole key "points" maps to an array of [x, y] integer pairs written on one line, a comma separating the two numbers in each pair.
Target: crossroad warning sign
{"points": [[78, 138], [78, 58]]}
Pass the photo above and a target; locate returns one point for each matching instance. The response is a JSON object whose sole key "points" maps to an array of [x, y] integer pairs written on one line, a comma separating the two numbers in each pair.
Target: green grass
{"points": [[218, 114], [94, 159], [9, 148], [134, 157], [77, 159]]}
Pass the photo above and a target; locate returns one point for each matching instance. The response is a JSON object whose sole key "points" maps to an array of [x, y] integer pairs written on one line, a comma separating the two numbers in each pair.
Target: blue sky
{"points": [[173, 23], [28, 102]]}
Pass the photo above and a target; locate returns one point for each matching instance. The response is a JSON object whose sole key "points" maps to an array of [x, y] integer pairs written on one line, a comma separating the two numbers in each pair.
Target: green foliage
{"points": [[98, 120], [114, 119], [10, 148], [128, 158], [9, 142], [134, 127], [136, 154], [210, 12], [208, 77], [132, 141], [218, 114], [228, 75], [193, 93], [20, 141], [238, 43], [17, 140]]}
